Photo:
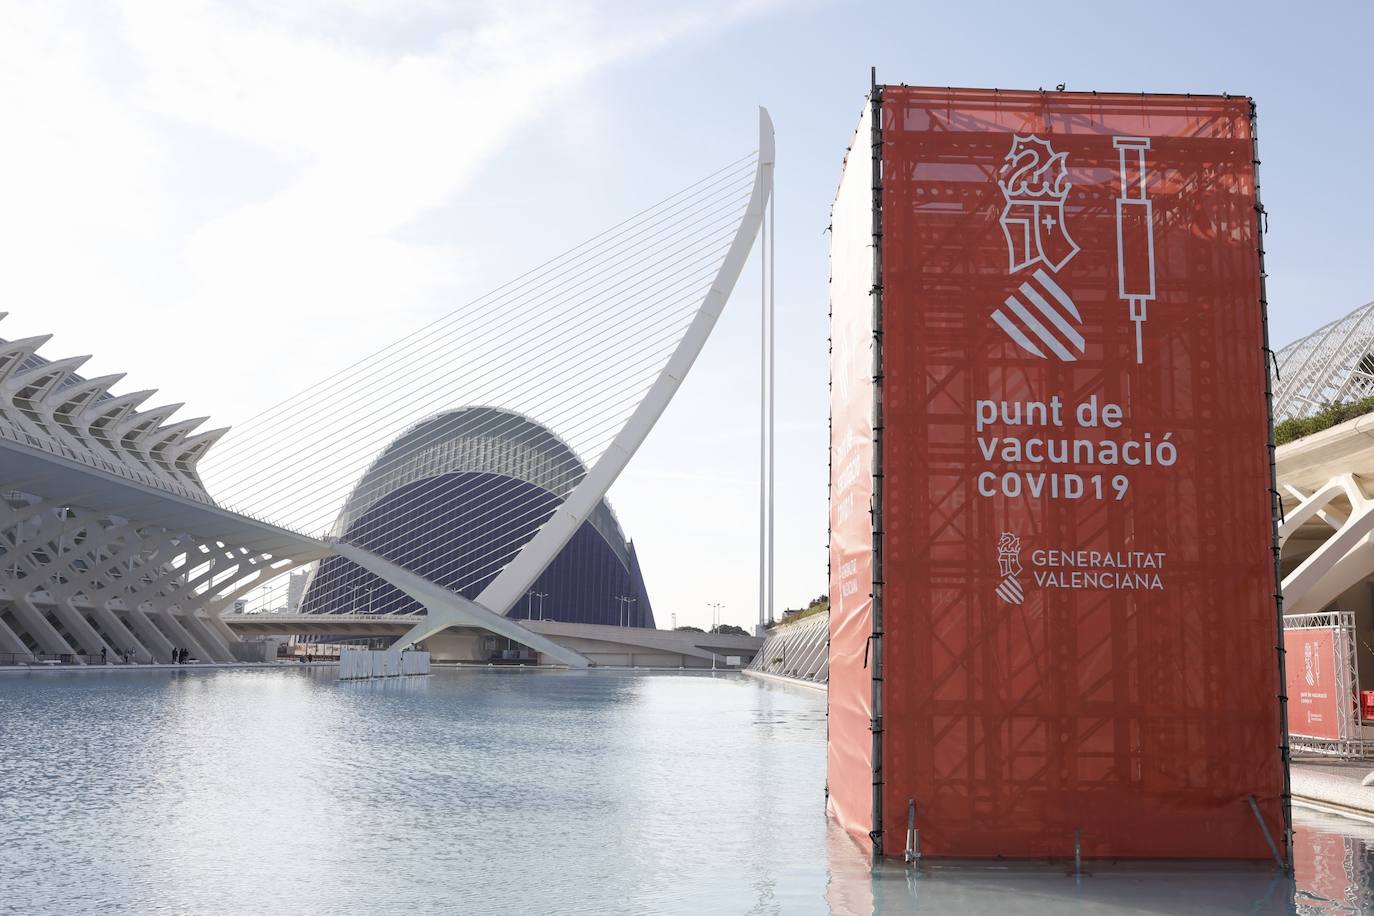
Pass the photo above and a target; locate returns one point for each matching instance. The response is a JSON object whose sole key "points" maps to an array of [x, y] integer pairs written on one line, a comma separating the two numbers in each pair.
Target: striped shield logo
{"points": [[1038, 316], [1041, 319]]}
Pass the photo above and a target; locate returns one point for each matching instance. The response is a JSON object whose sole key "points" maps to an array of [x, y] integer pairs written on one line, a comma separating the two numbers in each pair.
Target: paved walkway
{"points": [[1334, 786]]}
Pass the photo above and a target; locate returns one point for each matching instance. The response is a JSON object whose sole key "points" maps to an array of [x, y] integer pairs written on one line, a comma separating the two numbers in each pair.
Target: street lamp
{"points": [[541, 596], [716, 608]]}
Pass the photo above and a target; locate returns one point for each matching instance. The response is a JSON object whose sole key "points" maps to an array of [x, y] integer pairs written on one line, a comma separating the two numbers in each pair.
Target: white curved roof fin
{"points": [[76, 396], [137, 418], [117, 406], [54, 372], [179, 428], [192, 449], [13, 353]]}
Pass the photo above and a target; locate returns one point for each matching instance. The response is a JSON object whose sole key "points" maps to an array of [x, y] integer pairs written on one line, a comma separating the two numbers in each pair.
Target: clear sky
{"points": [[230, 200]]}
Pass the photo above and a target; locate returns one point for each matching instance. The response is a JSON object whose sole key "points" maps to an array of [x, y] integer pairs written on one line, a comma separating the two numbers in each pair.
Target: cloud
{"points": [[251, 174]]}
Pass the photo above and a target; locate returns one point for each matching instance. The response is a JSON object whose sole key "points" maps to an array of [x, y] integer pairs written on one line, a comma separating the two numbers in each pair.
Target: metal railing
{"points": [[53, 658], [61, 659]]}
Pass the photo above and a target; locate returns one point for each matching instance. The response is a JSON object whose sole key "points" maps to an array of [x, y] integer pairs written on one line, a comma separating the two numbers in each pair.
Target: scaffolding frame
{"points": [[1352, 743]]}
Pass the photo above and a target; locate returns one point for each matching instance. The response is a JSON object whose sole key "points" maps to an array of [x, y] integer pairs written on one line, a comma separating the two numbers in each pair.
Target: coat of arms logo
{"points": [[1040, 317], [1009, 567], [1036, 188]]}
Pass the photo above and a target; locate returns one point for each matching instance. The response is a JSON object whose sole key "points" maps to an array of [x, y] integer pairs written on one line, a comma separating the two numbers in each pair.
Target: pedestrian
{"points": [[102, 656]]}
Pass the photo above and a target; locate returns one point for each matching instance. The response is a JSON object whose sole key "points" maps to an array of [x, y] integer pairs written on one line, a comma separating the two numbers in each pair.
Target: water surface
{"points": [[496, 791]]}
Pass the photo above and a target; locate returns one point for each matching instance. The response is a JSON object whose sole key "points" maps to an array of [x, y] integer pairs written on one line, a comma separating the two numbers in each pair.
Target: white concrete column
{"points": [[215, 649], [123, 637], [179, 635], [157, 646], [37, 626], [10, 641], [87, 637]]}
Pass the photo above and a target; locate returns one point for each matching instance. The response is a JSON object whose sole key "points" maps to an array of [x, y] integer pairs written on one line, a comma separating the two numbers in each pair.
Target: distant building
{"points": [[295, 591], [454, 499]]}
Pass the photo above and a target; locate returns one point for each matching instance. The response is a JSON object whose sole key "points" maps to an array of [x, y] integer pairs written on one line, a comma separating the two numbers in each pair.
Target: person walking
{"points": [[103, 660]]}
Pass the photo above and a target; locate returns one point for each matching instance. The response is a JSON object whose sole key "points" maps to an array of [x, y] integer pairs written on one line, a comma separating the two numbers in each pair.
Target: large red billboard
{"points": [[1078, 615]]}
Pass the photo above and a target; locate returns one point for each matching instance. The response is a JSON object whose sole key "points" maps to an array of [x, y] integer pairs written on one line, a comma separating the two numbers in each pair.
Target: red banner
{"points": [[1079, 617], [1314, 690], [850, 756]]}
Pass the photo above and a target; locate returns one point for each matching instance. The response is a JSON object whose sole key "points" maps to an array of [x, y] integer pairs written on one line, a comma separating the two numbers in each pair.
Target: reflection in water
{"points": [[503, 792], [1332, 875]]}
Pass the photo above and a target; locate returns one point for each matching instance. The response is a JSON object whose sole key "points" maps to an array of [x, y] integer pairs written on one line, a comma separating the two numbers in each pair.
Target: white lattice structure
{"points": [[798, 650], [1343, 557], [1332, 365], [81, 584]]}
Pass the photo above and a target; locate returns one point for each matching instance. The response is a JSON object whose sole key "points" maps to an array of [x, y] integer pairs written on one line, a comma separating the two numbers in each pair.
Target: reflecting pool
{"points": [[498, 791]]}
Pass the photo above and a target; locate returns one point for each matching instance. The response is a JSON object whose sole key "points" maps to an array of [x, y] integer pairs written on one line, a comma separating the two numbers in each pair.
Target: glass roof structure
{"points": [[1332, 365]]}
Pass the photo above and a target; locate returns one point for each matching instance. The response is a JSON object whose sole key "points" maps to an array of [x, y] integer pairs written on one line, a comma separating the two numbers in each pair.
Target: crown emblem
{"points": [[1035, 172], [1036, 188]]}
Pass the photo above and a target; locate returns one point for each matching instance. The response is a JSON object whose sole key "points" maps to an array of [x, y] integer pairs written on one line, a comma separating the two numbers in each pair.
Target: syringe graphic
{"points": [[1135, 242]]}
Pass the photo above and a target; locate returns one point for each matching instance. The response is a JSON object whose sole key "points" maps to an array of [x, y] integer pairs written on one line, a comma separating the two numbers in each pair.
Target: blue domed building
{"points": [[454, 499]]}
